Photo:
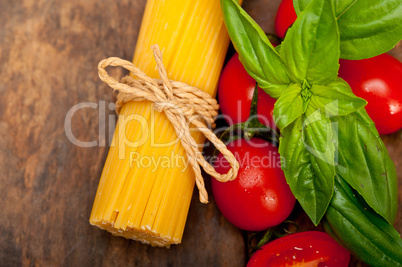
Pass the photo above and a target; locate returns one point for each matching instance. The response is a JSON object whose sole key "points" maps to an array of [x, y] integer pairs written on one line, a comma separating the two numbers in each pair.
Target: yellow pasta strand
{"points": [[146, 185]]}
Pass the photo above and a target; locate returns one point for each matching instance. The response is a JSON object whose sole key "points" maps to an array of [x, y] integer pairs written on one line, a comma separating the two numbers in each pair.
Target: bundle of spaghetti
{"points": [[146, 184]]}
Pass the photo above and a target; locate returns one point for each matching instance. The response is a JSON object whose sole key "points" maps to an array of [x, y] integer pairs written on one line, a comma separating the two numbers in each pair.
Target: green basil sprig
{"points": [[367, 27], [357, 227], [309, 57], [325, 131]]}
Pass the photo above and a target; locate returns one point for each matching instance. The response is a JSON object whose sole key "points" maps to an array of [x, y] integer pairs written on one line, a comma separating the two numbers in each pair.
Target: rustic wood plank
{"points": [[49, 50]]}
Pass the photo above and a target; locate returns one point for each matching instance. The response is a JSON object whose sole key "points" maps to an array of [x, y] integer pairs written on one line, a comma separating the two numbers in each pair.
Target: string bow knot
{"points": [[185, 106]]}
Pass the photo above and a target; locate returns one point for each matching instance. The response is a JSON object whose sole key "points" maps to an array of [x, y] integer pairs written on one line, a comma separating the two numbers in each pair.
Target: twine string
{"points": [[184, 105]]}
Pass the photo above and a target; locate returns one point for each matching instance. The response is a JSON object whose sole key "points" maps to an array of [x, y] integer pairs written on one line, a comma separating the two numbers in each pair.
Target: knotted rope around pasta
{"points": [[183, 105]]}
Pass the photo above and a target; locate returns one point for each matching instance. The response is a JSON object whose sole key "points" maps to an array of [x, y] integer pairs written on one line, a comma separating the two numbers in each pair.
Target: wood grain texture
{"points": [[49, 50]]}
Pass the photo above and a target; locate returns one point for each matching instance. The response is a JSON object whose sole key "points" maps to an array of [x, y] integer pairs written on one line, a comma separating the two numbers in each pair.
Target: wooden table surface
{"points": [[49, 51]]}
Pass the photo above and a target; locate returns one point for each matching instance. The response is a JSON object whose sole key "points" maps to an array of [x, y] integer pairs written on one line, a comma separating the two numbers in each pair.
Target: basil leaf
{"points": [[363, 161], [300, 5], [256, 53], [288, 107], [319, 142], [311, 47], [303, 152], [360, 229], [335, 98], [367, 27]]}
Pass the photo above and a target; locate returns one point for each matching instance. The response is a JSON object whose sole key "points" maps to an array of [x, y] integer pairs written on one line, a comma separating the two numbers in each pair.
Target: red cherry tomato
{"points": [[259, 197], [285, 17], [302, 249], [236, 90], [379, 81]]}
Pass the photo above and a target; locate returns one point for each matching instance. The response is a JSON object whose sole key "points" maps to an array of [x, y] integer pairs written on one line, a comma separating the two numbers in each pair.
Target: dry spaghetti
{"points": [[183, 105]]}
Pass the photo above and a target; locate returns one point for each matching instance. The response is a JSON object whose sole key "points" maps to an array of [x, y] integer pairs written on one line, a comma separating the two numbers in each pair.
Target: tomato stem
{"points": [[251, 128], [272, 233]]}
